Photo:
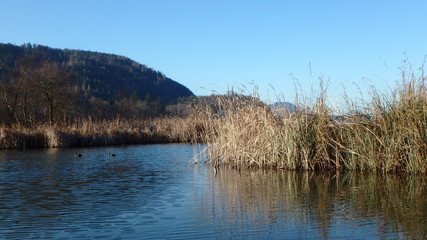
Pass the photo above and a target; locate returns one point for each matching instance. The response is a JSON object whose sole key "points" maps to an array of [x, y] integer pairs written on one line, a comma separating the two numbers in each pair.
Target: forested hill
{"points": [[104, 76]]}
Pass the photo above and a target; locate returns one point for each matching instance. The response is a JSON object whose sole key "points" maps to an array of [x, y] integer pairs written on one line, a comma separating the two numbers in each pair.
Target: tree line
{"points": [[37, 90]]}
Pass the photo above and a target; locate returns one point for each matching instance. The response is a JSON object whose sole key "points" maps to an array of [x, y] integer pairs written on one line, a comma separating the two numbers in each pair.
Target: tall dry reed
{"points": [[388, 135], [241, 132]]}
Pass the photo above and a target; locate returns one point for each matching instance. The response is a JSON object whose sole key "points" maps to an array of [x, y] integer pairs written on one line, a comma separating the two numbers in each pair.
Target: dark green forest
{"points": [[43, 84]]}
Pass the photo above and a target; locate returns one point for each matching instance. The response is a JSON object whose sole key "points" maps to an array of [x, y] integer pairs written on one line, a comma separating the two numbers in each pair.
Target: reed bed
{"points": [[101, 133], [388, 135]]}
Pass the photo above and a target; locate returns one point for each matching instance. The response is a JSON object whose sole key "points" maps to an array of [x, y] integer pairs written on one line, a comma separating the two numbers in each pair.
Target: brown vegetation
{"points": [[388, 135], [37, 91], [42, 105], [89, 133]]}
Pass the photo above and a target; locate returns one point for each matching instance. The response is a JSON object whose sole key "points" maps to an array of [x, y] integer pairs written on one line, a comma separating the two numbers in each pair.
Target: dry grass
{"points": [[90, 133], [388, 135], [241, 133]]}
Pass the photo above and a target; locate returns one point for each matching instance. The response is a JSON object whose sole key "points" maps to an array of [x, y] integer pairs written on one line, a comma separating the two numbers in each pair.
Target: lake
{"points": [[152, 192]]}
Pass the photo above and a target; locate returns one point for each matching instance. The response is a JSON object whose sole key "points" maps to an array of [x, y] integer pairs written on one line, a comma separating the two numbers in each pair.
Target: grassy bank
{"points": [[90, 133], [387, 134]]}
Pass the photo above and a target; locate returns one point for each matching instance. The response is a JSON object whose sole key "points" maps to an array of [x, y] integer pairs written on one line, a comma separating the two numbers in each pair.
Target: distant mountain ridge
{"points": [[101, 75], [280, 108]]}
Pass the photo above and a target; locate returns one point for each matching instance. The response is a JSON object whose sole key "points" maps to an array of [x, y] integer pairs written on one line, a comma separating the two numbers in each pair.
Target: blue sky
{"points": [[212, 45]]}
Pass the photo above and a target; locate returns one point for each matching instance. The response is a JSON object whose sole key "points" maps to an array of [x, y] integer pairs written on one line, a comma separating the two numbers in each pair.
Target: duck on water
{"points": [[80, 155]]}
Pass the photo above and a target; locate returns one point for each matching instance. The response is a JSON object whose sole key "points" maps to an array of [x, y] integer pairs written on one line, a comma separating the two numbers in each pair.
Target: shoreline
{"points": [[105, 133]]}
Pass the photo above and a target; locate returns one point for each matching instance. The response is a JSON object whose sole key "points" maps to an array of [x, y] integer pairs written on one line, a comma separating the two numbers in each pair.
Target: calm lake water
{"points": [[151, 192]]}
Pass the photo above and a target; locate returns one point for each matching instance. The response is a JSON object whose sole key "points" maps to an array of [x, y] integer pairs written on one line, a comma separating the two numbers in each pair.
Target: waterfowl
{"points": [[111, 154], [77, 155]]}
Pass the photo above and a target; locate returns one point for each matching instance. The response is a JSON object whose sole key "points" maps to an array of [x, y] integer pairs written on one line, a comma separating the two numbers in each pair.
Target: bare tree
{"points": [[9, 98], [26, 74], [55, 86], [15, 93]]}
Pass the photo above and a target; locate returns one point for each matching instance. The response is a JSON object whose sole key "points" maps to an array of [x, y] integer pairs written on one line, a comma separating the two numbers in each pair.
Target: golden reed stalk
{"points": [[388, 135]]}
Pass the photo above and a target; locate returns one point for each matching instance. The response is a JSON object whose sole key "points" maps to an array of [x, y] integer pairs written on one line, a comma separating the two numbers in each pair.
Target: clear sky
{"points": [[214, 45]]}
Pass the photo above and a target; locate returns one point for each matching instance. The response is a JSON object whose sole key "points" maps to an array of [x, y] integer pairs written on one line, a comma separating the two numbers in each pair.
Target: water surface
{"points": [[151, 192]]}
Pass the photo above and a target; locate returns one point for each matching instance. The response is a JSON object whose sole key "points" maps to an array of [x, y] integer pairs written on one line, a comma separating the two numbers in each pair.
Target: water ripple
{"points": [[151, 192]]}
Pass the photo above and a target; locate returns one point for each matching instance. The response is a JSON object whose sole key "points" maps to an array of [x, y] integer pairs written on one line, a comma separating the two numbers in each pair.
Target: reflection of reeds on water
{"points": [[388, 133], [100, 133], [395, 205]]}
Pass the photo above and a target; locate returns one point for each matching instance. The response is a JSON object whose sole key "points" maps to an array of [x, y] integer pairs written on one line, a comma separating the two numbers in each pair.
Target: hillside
{"points": [[104, 76]]}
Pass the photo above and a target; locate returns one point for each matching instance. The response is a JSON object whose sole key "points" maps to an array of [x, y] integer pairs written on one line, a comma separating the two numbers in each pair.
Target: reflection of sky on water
{"points": [[52, 191], [309, 205], [151, 192]]}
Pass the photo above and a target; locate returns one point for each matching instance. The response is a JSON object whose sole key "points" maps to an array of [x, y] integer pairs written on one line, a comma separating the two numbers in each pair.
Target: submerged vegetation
{"points": [[387, 134]]}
